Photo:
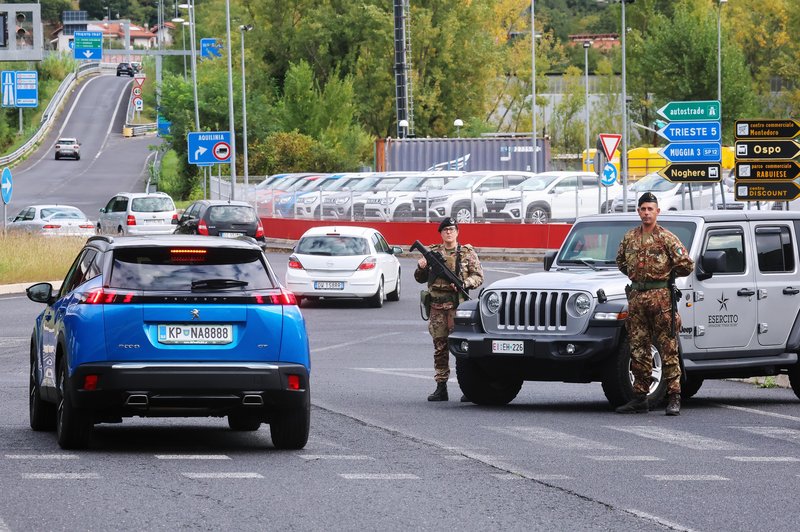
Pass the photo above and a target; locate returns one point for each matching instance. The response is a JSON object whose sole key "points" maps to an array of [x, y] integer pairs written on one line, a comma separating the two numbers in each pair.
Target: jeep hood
{"points": [[610, 280]]}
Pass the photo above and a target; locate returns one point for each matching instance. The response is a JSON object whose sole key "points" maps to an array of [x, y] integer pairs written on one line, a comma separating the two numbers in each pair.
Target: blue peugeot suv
{"points": [[169, 326]]}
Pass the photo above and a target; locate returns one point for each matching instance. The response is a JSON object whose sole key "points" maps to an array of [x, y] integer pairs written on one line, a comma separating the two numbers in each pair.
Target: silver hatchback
{"points": [[138, 213]]}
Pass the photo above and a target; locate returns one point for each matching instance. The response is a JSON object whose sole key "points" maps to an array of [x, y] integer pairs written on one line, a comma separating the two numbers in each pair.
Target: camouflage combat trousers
{"points": [[440, 325], [650, 322]]}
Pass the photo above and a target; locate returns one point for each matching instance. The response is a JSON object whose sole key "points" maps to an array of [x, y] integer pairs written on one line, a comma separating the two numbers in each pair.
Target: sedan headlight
{"points": [[582, 304], [309, 199], [492, 303], [342, 201]]}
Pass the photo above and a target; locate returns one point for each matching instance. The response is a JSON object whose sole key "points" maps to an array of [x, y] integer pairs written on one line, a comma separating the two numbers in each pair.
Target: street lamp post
{"points": [[230, 99], [533, 83], [586, 45], [719, 50], [183, 23], [190, 8], [244, 28], [458, 124], [403, 124], [624, 153]]}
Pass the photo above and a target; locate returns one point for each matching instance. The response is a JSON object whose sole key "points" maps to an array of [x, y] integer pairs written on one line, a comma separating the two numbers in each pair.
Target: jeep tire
{"points": [[484, 388], [618, 379]]}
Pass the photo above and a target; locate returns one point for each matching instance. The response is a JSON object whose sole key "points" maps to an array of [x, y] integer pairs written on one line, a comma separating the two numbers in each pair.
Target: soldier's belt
{"points": [[447, 297], [648, 285]]}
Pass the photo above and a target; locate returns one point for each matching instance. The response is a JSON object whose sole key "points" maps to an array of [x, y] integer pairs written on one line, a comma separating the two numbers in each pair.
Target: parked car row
{"points": [[433, 195]]}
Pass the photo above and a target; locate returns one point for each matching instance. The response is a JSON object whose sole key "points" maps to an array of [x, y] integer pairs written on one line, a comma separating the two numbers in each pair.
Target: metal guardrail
{"points": [[50, 112]]}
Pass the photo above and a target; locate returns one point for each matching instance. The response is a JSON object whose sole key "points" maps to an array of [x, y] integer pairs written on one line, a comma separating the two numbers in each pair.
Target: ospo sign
{"points": [[767, 149]]}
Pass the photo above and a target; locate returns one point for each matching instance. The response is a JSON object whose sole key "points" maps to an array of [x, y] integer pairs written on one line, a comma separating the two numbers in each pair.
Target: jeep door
{"points": [[777, 281], [725, 305]]}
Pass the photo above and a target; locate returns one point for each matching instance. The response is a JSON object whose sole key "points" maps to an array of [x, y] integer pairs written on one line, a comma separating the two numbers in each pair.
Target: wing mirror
{"points": [[41, 293]]}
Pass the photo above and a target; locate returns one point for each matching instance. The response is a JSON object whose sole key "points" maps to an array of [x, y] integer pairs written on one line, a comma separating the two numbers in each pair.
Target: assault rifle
{"points": [[438, 268]]}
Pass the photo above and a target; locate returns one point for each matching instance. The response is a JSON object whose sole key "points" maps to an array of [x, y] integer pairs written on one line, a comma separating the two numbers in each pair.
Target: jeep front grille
{"points": [[532, 311]]}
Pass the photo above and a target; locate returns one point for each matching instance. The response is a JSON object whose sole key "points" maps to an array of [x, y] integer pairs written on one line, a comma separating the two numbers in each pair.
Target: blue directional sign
{"points": [[20, 88], [88, 45], [209, 147], [609, 176], [6, 185], [692, 152], [707, 131], [164, 126], [210, 48]]}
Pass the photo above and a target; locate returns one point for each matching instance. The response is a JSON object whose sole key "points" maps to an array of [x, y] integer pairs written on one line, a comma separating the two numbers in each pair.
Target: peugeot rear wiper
{"points": [[217, 284]]}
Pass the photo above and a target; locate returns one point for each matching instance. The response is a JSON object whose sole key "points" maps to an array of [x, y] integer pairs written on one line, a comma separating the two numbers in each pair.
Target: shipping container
{"points": [[466, 154]]}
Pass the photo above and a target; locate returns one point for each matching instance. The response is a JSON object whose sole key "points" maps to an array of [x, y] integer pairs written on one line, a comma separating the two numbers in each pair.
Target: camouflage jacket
{"points": [[654, 259], [471, 273]]}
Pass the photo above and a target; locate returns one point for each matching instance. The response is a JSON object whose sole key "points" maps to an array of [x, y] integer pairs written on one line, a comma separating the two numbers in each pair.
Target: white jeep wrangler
{"points": [[740, 310]]}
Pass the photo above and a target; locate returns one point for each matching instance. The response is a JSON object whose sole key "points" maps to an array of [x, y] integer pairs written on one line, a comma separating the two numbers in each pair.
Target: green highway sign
{"points": [[774, 170], [767, 129], [765, 190], [692, 172], [761, 150], [691, 111]]}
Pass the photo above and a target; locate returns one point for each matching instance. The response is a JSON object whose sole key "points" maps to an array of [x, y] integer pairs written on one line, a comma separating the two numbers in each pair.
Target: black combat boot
{"points": [[637, 405], [674, 405], [440, 394]]}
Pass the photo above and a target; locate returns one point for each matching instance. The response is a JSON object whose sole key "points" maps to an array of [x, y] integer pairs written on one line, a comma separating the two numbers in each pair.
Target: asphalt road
{"points": [[381, 457]]}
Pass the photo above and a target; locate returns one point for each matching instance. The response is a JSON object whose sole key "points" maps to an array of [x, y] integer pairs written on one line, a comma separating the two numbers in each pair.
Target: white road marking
{"points": [[669, 524], [550, 477], [4, 526], [403, 372], [613, 458], [777, 433], [378, 476], [354, 342], [335, 457], [683, 478], [456, 457], [552, 438], [201, 476], [680, 438], [756, 411], [192, 457], [508, 476], [763, 458], [60, 476], [42, 456]]}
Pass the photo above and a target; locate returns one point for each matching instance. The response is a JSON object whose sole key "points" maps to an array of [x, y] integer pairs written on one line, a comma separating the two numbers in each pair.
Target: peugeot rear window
{"points": [[238, 214], [152, 205], [179, 268], [333, 245]]}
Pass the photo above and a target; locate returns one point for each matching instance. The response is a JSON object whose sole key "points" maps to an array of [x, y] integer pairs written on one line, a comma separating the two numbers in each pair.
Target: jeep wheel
{"points": [[690, 387], [289, 429], [42, 414], [483, 388], [618, 380], [394, 295], [794, 379], [538, 214], [73, 426], [243, 422]]}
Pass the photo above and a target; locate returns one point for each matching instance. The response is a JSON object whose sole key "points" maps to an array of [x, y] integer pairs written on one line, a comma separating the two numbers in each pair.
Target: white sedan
{"points": [[52, 220], [344, 262]]}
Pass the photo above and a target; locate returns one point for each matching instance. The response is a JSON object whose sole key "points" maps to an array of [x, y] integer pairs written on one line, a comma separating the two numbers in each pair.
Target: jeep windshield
{"points": [[595, 243]]}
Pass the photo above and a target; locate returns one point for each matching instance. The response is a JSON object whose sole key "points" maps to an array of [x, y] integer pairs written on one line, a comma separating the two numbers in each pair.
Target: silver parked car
{"points": [[51, 220]]}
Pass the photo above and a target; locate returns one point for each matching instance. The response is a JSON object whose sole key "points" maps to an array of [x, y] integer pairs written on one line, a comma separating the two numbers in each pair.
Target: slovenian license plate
{"points": [[195, 334], [231, 235], [154, 221], [328, 285], [506, 346]]}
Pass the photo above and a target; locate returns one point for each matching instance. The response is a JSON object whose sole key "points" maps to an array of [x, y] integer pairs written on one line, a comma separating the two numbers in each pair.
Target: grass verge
{"points": [[34, 258]]}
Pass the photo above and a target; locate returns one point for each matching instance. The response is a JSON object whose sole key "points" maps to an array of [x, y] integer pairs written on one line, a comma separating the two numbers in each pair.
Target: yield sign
{"points": [[139, 80], [610, 141]]}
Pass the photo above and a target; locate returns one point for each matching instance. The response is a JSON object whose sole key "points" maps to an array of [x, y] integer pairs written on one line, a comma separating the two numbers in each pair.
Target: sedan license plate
{"points": [[328, 285], [154, 221], [231, 235], [195, 334], [507, 346]]}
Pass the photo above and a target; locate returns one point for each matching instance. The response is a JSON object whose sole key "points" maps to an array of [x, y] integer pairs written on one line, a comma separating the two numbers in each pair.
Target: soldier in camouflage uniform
{"points": [[649, 255], [463, 261]]}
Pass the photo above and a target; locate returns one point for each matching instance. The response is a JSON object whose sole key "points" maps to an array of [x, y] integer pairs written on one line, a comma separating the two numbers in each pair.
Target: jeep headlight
{"points": [[492, 303], [582, 304]]}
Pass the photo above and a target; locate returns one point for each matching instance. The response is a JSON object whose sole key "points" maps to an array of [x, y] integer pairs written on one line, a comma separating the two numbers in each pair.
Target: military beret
{"points": [[448, 222], [647, 197]]}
